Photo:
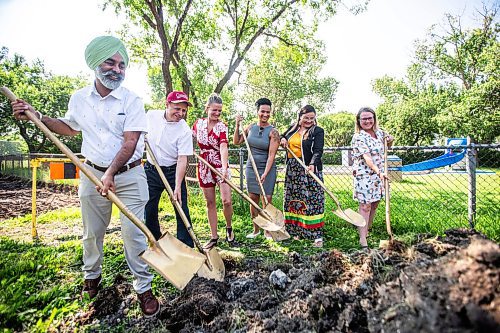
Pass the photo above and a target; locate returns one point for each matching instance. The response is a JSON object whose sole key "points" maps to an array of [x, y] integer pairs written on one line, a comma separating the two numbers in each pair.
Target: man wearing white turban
{"points": [[113, 122]]}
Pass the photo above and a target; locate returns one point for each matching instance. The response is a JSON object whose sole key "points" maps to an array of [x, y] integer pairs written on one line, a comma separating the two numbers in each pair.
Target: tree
{"points": [[190, 37], [471, 56], [466, 55], [339, 128], [289, 76], [451, 90], [411, 105], [46, 92]]}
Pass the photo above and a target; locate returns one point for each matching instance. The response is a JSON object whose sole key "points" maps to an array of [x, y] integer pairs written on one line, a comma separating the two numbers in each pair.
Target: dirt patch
{"points": [[450, 284], [15, 197]]}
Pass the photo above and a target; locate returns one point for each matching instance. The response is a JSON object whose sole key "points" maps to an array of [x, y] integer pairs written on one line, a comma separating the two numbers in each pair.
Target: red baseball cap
{"points": [[178, 97]]}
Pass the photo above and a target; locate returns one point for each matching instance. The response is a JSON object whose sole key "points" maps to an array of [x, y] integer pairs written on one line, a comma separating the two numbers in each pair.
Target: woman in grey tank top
{"points": [[263, 139]]}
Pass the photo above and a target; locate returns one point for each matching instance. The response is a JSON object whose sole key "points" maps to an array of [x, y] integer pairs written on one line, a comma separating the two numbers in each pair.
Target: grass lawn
{"points": [[39, 281]]}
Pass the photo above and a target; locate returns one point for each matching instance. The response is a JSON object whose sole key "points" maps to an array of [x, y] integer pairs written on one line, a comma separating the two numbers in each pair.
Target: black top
{"points": [[312, 147]]}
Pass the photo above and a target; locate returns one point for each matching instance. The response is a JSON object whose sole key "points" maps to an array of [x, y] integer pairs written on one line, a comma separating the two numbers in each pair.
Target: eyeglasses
{"points": [[261, 130], [367, 119]]}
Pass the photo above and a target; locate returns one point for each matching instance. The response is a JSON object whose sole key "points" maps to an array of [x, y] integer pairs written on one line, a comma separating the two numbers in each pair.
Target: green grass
{"points": [[40, 282]]}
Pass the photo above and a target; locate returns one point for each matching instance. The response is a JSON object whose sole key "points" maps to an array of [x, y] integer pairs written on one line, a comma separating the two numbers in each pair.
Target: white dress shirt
{"points": [[102, 121]]}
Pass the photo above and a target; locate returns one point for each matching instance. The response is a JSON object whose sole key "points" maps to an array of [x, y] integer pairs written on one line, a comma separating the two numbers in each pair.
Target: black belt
{"points": [[168, 168], [121, 170]]}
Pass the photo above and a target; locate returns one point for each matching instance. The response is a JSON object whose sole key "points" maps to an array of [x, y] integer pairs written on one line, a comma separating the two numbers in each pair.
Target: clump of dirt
{"points": [[201, 301], [448, 284], [455, 293], [15, 196]]}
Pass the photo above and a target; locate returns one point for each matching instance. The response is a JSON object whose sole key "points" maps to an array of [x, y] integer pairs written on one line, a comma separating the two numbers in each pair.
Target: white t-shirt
{"points": [[168, 139], [102, 121]]}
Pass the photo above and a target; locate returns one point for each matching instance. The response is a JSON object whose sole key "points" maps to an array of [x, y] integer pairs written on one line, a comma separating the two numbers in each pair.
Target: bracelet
{"points": [[40, 115]]}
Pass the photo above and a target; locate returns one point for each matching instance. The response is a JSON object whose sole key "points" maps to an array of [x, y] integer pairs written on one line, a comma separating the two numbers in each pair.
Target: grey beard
{"points": [[108, 83]]}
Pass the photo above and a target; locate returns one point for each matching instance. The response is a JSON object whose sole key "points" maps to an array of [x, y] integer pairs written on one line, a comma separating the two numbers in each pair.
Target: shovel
{"points": [[347, 215], [267, 219], [213, 268], [171, 258], [387, 193], [266, 204]]}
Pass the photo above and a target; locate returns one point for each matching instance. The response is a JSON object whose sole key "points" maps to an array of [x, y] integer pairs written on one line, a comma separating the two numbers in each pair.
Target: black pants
{"points": [[156, 188]]}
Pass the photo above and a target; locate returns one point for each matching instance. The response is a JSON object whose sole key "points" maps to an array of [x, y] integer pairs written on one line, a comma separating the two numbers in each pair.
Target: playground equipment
{"points": [[448, 158]]}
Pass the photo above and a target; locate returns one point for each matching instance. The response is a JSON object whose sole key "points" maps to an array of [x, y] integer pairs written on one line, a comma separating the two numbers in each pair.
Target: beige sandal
{"points": [[318, 242]]}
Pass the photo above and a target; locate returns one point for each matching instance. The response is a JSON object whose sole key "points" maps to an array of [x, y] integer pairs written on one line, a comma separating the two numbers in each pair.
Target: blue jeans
{"points": [[156, 188]]}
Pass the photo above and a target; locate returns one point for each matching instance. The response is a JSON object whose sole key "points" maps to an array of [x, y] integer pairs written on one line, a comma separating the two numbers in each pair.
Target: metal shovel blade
{"points": [[266, 223], [350, 216], [213, 268], [276, 215], [174, 260], [278, 220], [280, 235]]}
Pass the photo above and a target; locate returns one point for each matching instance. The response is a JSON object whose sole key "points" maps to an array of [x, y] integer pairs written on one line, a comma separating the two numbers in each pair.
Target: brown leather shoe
{"points": [[91, 287], [149, 304]]}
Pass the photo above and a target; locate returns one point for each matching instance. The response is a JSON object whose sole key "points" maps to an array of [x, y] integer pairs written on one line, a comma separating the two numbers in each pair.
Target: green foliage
{"points": [[199, 46], [40, 283], [289, 75], [339, 128], [8, 147], [47, 93], [36, 282], [429, 104], [410, 106]]}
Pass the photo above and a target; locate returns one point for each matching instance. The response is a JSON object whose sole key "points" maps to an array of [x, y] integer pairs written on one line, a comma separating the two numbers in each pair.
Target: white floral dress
{"points": [[368, 187]]}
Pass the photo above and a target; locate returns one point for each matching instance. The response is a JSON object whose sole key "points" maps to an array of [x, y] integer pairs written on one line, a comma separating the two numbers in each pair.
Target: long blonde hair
{"points": [[358, 127]]}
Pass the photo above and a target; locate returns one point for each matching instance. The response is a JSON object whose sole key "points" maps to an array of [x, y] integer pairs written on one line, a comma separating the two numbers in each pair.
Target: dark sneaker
{"points": [[91, 287], [149, 304]]}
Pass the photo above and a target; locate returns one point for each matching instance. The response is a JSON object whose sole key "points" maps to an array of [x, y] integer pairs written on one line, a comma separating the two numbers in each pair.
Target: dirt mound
{"points": [[448, 284], [15, 196]]}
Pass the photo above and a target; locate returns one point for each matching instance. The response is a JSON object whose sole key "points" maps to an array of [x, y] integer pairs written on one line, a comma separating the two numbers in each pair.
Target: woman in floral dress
{"points": [[368, 167], [304, 200], [211, 136]]}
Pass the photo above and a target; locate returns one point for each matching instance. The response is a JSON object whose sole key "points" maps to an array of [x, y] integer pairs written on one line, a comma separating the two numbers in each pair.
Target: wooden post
{"points": [[471, 165], [34, 164], [242, 160]]}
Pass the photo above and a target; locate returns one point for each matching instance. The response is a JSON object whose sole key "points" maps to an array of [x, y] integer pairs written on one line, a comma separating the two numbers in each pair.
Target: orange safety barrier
{"points": [[59, 170]]}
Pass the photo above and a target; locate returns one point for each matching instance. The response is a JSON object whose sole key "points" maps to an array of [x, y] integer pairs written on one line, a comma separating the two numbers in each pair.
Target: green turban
{"points": [[102, 48]]}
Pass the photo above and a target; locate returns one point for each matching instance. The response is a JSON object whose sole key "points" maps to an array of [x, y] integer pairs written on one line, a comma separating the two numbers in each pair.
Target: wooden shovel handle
{"points": [[255, 170], [387, 193], [316, 178], [176, 204], [76, 161]]}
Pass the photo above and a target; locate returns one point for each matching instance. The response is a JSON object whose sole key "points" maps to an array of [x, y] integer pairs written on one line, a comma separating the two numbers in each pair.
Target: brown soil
{"points": [[449, 284], [15, 197]]}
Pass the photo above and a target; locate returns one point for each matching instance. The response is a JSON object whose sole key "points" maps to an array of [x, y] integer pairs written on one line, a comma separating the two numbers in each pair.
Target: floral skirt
{"points": [[304, 202], [368, 188]]}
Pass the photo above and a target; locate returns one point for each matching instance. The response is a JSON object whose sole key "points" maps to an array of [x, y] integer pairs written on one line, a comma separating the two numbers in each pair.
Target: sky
{"points": [[359, 48]]}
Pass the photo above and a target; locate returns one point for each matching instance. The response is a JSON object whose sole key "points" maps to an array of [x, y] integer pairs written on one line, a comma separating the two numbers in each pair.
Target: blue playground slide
{"points": [[447, 158]]}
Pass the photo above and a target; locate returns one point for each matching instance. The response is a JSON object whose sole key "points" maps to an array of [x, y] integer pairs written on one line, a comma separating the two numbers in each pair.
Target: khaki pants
{"points": [[132, 190]]}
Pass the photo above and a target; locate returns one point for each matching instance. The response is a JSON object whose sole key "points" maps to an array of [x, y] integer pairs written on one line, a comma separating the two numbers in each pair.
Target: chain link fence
{"points": [[465, 193]]}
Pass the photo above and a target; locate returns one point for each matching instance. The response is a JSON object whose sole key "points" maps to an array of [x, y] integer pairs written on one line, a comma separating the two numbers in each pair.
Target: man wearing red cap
{"points": [[171, 141]]}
